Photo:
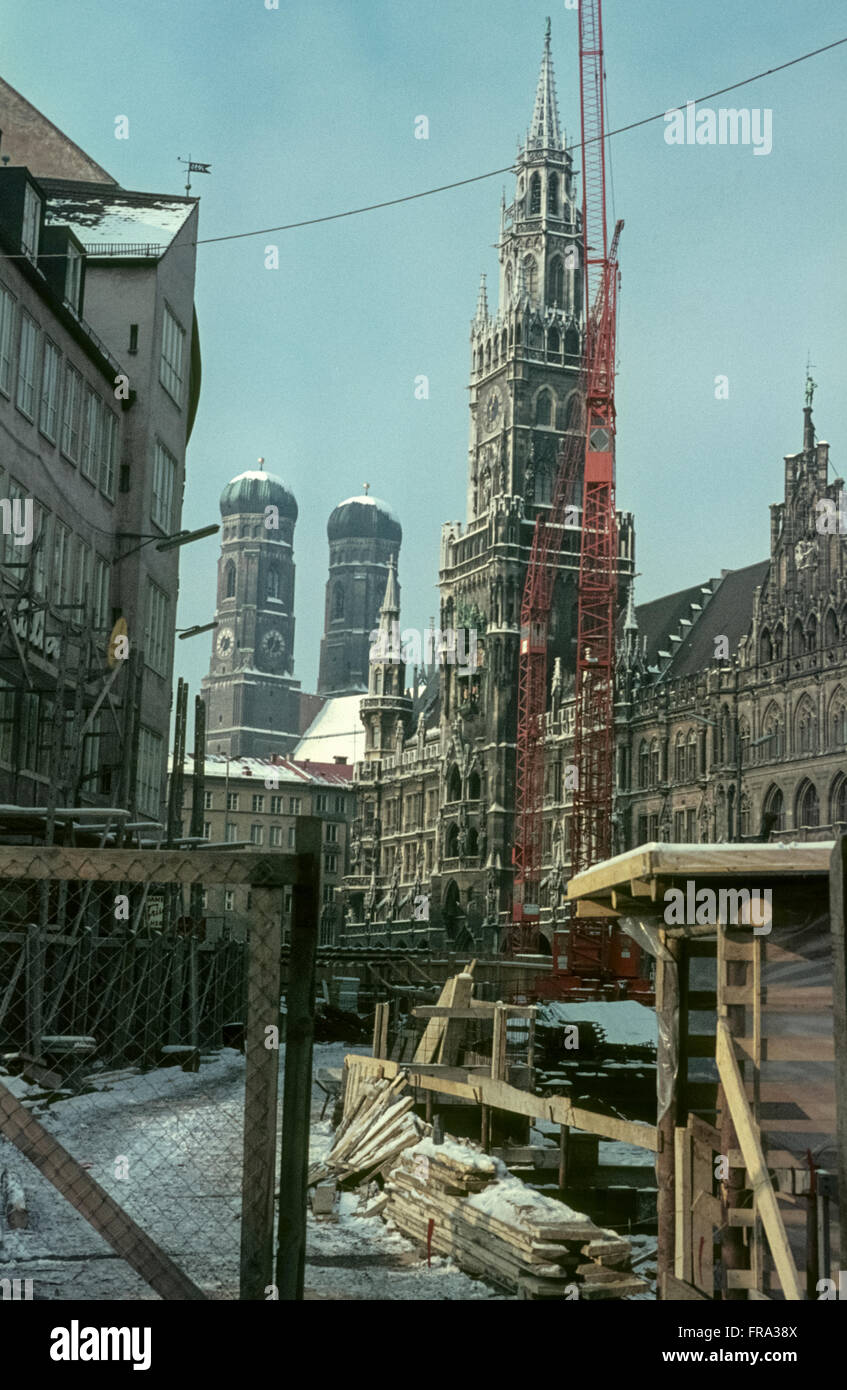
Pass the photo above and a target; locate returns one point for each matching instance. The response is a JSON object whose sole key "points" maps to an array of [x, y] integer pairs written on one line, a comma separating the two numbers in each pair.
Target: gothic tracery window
{"points": [[544, 408], [553, 195], [556, 283], [229, 580], [535, 195], [808, 806]]}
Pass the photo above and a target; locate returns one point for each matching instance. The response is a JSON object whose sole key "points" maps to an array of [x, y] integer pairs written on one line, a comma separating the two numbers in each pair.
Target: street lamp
{"points": [[183, 632], [163, 542]]}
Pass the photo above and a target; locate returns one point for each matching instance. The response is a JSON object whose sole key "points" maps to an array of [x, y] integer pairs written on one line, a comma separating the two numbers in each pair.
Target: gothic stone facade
{"points": [[436, 797]]}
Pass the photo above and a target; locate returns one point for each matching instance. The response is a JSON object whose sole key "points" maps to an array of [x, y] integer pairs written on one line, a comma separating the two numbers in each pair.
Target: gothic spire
{"points": [[545, 132], [391, 602], [482, 314]]}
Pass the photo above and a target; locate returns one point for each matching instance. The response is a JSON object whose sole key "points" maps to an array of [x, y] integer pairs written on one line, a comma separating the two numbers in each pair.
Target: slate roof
{"points": [[728, 613]]}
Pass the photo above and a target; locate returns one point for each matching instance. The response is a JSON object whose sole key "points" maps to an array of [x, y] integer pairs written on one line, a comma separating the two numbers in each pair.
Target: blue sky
{"points": [[732, 263]]}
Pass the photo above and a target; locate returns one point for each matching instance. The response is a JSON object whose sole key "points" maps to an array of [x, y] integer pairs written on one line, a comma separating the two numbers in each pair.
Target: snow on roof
{"points": [[335, 731], [367, 500], [624, 1021], [116, 218], [282, 770]]}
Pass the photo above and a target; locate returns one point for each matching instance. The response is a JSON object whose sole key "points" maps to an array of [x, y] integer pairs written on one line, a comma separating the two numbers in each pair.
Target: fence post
{"points": [[299, 1035], [838, 927], [260, 1093]]}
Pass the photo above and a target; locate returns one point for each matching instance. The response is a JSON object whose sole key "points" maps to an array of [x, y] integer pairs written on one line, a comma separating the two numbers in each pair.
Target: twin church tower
{"points": [[254, 706]]}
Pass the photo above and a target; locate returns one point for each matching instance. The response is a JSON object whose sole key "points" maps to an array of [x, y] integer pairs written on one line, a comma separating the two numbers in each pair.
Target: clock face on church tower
{"points": [[272, 646], [224, 643]]}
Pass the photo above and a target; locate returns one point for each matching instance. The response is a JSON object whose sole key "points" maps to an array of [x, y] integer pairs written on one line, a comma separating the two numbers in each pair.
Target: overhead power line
{"points": [[507, 169]]}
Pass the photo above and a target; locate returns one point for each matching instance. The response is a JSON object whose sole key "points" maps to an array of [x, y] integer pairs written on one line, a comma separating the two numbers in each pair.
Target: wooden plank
{"points": [[453, 1029], [480, 1090], [785, 1049], [478, 1008], [783, 999], [498, 1045], [429, 1046], [682, 1204], [746, 862], [754, 1161], [91, 1200], [56, 862], [677, 1291]]}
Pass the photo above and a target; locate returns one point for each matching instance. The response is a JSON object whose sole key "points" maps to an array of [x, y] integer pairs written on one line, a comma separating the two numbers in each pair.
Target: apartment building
{"points": [[256, 802], [99, 384]]}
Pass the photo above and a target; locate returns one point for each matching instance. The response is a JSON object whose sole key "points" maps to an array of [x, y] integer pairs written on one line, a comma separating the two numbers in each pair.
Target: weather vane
{"points": [[192, 167], [366, 486]]}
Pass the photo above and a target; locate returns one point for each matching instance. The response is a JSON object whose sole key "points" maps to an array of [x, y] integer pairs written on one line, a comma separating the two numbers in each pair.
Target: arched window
{"points": [[553, 195], [654, 763], [229, 580], [772, 731], [472, 845], [554, 343], [679, 756], [838, 719], [573, 419], [453, 841], [273, 581], [805, 727], [643, 765], [830, 629], [473, 786], [530, 276], [839, 800], [773, 809], [797, 638], [556, 283], [572, 342], [338, 601], [535, 195], [779, 642], [744, 818], [808, 813], [744, 741], [765, 647], [508, 284], [454, 784], [692, 756], [811, 633], [544, 408]]}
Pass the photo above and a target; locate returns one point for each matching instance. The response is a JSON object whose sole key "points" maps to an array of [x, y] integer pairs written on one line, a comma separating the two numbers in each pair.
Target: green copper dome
{"points": [[363, 517], [254, 491]]}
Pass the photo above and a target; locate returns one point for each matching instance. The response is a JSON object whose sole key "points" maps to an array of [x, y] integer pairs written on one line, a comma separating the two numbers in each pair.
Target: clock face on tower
{"points": [[272, 646], [492, 410], [224, 643]]}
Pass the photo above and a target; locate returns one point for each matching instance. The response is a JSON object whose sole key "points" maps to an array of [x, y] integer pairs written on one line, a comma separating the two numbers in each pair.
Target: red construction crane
{"points": [[592, 455]]}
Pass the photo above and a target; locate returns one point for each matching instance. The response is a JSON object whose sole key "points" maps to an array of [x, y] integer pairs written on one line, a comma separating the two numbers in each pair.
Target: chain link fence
{"points": [[139, 1075]]}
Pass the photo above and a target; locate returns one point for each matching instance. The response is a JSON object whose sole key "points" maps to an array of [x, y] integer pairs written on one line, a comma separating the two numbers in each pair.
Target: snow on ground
{"points": [[624, 1021], [177, 1138]]}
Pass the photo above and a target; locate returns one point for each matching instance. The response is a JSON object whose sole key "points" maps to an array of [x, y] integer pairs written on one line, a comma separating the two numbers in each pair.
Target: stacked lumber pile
{"points": [[492, 1225], [378, 1124]]}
